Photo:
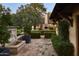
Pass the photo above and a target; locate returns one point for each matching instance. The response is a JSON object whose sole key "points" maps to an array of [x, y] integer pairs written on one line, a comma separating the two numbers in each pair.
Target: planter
{"points": [[27, 38], [16, 48], [42, 36], [4, 51]]}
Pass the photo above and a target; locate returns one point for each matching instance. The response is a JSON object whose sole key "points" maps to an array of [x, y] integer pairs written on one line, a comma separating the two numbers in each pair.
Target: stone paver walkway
{"points": [[38, 47]]}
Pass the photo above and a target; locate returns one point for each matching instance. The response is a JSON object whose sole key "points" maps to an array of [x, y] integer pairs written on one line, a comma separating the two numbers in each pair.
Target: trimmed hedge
{"points": [[48, 34], [36, 34], [47, 30]]}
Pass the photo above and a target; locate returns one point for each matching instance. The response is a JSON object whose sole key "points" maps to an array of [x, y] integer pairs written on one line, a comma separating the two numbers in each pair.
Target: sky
{"points": [[14, 6]]}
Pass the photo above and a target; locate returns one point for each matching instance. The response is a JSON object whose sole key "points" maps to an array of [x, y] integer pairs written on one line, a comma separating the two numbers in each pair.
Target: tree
{"points": [[16, 20], [31, 12], [4, 23], [38, 9]]}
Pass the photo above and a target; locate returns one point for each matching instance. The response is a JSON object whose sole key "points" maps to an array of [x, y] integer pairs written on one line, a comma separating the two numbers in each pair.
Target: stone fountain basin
{"points": [[16, 48]]}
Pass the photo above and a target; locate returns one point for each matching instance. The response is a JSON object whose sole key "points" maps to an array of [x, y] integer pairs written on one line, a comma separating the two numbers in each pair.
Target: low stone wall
{"points": [[14, 49]]}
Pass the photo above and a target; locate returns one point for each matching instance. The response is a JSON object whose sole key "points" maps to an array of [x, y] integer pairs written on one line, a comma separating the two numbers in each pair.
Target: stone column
{"points": [[46, 18]]}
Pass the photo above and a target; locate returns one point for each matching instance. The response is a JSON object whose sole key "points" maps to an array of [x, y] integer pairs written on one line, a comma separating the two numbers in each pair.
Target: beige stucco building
{"points": [[46, 22], [70, 11]]}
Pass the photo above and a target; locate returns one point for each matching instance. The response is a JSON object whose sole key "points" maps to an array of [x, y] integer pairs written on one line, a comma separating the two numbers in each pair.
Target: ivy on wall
{"points": [[61, 43], [63, 27]]}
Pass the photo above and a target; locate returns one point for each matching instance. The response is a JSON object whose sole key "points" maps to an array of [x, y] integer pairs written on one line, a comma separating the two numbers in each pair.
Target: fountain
{"points": [[14, 44], [13, 35]]}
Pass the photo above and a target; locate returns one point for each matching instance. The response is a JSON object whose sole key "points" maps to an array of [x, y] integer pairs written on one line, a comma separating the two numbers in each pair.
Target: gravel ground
{"points": [[38, 47]]}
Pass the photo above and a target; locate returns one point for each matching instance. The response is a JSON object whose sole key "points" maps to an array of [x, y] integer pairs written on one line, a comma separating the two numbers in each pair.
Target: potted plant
{"points": [[42, 34], [27, 31]]}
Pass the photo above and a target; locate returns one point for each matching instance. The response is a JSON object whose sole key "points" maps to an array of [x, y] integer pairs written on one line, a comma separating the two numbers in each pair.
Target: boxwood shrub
{"points": [[48, 33], [35, 34], [62, 48]]}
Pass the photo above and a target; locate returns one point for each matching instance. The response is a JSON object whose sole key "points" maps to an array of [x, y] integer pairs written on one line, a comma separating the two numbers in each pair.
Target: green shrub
{"points": [[35, 34], [62, 48], [51, 28], [19, 31], [42, 32], [27, 28], [61, 43], [4, 35], [35, 31], [48, 33], [63, 27]]}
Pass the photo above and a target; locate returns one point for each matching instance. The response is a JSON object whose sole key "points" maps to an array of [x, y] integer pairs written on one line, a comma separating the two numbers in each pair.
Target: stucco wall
{"points": [[73, 32], [72, 35]]}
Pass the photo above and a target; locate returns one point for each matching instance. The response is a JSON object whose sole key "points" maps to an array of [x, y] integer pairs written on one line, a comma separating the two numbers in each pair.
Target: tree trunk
{"points": [[3, 45], [41, 27], [34, 26]]}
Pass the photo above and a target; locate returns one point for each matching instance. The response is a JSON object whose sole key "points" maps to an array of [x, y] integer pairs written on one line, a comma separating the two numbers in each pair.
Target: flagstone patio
{"points": [[38, 47]]}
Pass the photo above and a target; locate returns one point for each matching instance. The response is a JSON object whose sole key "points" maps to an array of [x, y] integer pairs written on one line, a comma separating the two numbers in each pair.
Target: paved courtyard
{"points": [[38, 47]]}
